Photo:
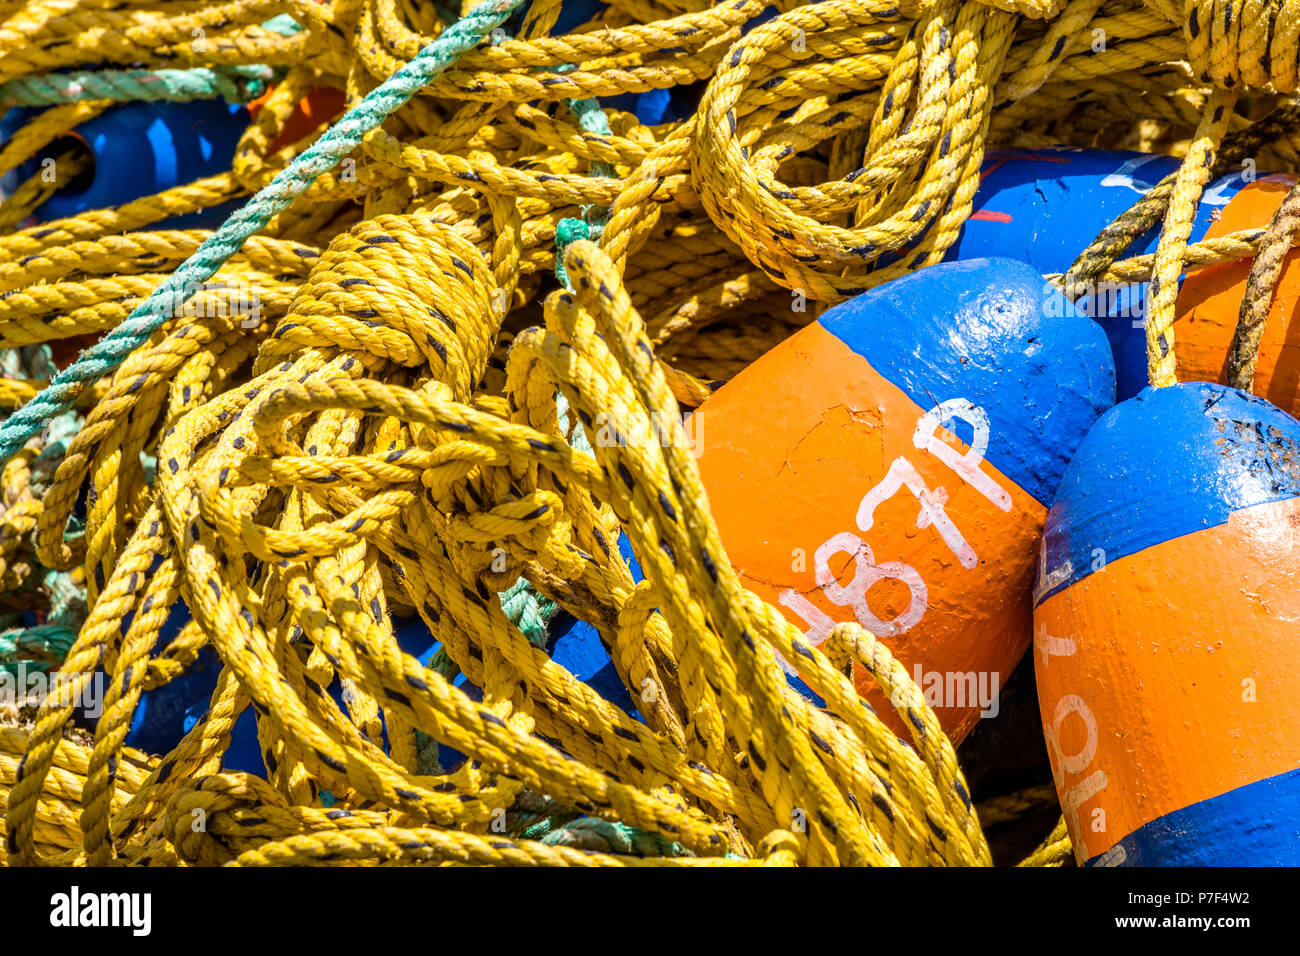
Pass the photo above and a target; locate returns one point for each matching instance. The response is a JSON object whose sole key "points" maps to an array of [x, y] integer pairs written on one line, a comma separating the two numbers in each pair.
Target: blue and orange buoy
{"points": [[1210, 300], [893, 463], [1045, 206], [1165, 643]]}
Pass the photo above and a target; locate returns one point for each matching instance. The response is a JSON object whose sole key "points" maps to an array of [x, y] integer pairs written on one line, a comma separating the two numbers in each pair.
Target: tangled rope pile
{"points": [[409, 429]]}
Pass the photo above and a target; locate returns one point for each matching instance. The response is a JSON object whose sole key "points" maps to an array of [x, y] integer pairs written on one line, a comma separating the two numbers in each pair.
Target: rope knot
{"points": [[401, 289], [214, 820]]}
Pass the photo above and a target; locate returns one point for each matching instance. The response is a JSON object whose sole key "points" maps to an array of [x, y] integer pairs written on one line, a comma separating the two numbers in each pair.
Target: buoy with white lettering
{"points": [[893, 462], [1047, 205], [1165, 642]]}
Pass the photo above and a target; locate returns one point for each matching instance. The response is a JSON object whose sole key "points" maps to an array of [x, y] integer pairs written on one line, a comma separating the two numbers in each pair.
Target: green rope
{"points": [[578, 438], [39, 648], [172, 294], [524, 607], [234, 84], [528, 611], [567, 231], [549, 824], [283, 24], [607, 836], [592, 119], [67, 600], [533, 815], [426, 755]]}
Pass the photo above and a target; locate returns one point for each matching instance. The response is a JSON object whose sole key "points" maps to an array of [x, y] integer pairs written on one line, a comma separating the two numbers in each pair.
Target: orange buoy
{"points": [[893, 462], [321, 104], [1210, 302], [1165, 643]]}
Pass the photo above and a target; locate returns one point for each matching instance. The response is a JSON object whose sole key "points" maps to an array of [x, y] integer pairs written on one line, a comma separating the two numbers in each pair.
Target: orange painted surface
{"points": [[788, 450], [321, 104], [1210, 302], [1159, 650]]}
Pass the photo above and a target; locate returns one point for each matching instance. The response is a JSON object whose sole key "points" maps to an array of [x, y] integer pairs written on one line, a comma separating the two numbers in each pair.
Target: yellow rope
{"points": [[379, 438]]}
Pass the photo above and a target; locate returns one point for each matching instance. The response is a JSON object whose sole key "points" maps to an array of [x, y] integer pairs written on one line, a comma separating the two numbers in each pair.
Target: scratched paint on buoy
{"points": [[1043, 206], [892, 463], [1165, 643]]}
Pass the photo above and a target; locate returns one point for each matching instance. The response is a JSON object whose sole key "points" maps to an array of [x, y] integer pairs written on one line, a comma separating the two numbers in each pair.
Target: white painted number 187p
{"points": [[902, 474]]}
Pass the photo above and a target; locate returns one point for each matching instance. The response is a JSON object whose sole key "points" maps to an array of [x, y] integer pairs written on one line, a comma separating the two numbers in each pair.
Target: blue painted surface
{"points": [[159, 719], [573, 14], [654, 107], [1168, 463], [1056, 203], [1058, 200], [1254, 825], [1045, 206], [991, 331], [242, 753], [141, 149], [1126, 332], [166, 714], [575, 645]]}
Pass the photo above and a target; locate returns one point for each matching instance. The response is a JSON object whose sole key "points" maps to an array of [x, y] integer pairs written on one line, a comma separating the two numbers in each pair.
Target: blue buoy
{"points": [[1045, 206], [674, 105], [139, 149]]}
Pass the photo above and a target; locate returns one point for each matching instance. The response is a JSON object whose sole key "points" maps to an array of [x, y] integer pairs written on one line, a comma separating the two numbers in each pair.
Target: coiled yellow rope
{"points": [[387, 429]]}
